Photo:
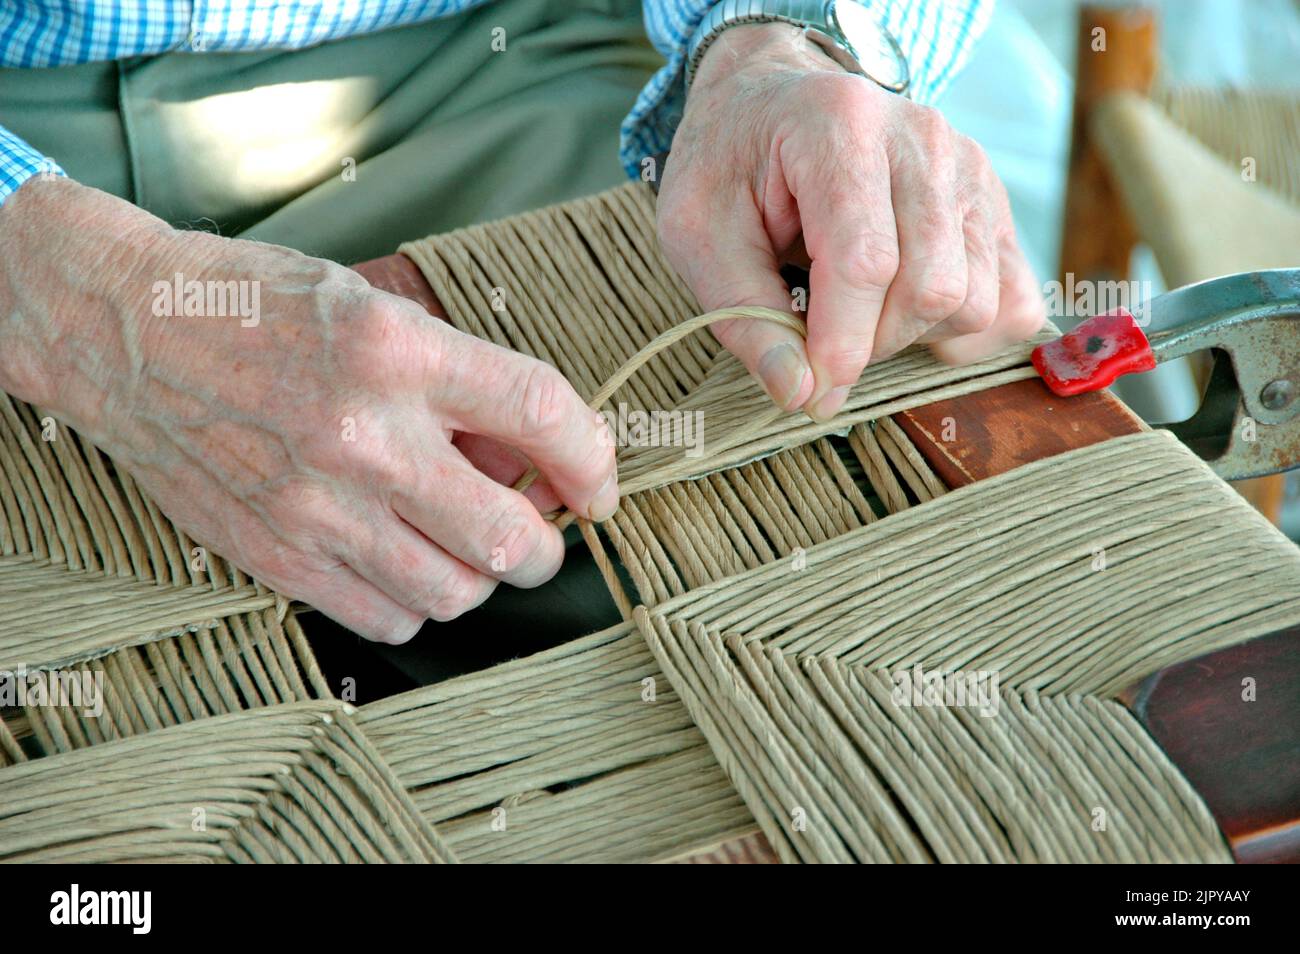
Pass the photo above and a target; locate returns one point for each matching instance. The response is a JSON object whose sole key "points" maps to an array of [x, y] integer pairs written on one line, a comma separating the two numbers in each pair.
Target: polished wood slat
{"points": [[990, 432], [1231, 721]]}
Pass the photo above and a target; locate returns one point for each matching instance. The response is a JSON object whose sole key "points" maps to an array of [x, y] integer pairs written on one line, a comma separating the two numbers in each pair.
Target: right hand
{"points": [[907, 233], [314, 448]]}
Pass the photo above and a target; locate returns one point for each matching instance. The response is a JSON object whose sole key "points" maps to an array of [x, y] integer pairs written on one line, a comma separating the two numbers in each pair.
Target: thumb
{"points": [[742, 270]]}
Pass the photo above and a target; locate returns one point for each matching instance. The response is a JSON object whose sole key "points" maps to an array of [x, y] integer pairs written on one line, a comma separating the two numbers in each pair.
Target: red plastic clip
{"points": [[1094, 354]]}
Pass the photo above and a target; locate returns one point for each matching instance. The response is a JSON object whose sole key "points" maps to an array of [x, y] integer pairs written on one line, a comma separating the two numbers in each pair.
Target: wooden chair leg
{"points": [[1117, 51]]}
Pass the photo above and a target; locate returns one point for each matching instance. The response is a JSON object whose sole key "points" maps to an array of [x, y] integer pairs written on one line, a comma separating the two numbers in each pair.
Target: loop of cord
{"points": [[666, 340]]}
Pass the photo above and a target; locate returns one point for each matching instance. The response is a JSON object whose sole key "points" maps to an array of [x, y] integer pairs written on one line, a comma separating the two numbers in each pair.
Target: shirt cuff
{"points": [[936, 37], [19, 162]]}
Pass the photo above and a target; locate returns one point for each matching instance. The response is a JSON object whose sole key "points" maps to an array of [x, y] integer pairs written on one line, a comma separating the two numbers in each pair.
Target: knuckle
{"points": [[381, 331], [980, 311], [457, 593], [938, 226], [406, 562], [1027, 324], [397, 629], [972, 153], [376, 317], [977, 316], [1026, 318], [935, 131], [543, 403], [381, 623], [983, 178], [974, 160], [870, 260], [386, 344], [999, 204], [366, 450], [296, 507], [843, 94], [512, 540], [982, 258], [938, 295]]}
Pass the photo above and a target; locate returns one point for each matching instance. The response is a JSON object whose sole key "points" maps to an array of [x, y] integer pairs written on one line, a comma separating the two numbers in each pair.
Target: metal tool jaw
{"points": [[1248, 423]]}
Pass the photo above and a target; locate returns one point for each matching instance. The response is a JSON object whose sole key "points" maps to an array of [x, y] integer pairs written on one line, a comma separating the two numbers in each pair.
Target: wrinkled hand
{"points": [[314, 448], [784, 157]]}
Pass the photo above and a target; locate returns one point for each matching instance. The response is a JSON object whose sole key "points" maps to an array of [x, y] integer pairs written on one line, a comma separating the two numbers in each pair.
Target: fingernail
{"points": [[828, 405], [605, 502], [782, 372]]}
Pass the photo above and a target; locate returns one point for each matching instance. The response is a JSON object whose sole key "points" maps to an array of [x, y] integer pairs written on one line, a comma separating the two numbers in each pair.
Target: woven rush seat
{"points": [[787, 584]]}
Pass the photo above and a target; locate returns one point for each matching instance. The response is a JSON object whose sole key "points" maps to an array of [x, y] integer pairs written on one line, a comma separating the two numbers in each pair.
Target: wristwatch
{"points": [[845, 30]]}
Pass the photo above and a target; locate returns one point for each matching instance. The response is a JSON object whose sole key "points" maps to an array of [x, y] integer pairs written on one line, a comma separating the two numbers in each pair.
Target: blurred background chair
{"points": [[1157, 143]]}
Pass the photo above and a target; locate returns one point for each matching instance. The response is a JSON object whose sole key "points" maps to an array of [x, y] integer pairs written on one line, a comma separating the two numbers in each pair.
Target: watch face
{"points": [[878, 54]]}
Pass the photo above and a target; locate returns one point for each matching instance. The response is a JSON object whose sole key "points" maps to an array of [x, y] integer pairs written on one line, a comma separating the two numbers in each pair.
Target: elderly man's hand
{"points": [[311, 443], [784, 157]]}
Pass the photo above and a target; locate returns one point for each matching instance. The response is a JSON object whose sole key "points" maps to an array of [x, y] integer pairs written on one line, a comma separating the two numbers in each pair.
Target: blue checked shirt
{"points": [[936, 37]]}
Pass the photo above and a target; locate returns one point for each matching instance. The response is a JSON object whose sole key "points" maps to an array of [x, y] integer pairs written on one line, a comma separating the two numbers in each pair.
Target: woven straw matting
{"points": [[783, 581]]}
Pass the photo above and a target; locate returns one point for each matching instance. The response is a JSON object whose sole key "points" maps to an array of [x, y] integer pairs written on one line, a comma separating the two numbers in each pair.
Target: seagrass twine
{"points": [[786, 583]]}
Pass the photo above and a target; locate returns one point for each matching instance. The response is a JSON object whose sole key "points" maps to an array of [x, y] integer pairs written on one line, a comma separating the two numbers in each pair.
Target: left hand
{"points": [[782, 156]]}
